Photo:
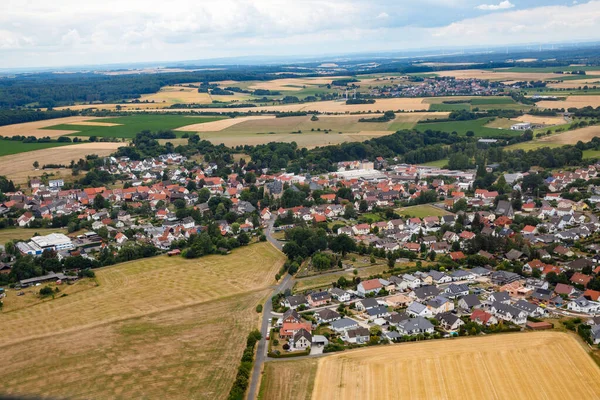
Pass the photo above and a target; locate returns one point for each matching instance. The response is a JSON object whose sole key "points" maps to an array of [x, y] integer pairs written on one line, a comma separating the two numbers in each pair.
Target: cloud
{"points": [[71, 32], [504, 5]]}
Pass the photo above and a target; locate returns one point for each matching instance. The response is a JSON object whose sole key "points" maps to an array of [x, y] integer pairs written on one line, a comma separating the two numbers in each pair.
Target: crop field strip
{"points": [[152, 328], [549, 365], [130, 125]]}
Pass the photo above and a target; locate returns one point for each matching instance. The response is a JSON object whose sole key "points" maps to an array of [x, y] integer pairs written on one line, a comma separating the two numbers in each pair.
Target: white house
{"points": [[584, 305], [417, 309]]}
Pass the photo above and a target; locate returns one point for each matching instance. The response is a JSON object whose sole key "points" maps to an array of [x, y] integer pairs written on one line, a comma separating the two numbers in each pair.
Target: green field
{"points": [[8, 147], [439, 163], [130, 125], [450, 107], [422, 211], [532, 145], [591, 154], [462, 127], [480, 102], [25, 233]]}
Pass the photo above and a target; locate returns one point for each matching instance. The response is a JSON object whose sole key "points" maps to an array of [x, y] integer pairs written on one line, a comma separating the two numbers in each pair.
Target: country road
{"points": [[261, 352]]}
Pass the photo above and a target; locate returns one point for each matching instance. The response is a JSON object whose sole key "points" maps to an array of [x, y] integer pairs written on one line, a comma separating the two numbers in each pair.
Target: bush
{"points": [[46, 291], [259, 308]]}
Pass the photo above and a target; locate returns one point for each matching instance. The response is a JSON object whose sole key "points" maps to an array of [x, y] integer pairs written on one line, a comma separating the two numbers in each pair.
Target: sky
{"points": [[36, 33]]}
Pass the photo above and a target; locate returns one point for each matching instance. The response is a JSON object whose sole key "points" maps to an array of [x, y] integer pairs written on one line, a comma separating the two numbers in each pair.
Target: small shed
{"points": [[539, 326]]}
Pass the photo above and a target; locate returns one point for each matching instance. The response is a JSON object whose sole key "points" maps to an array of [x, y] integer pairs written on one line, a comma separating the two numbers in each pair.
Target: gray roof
{"points": [[416, 307], [447, 317], [344, 323], [426, 291], [500, 296], [377, 310], [457, 289], [358, 332], [525, 306], [369, 303], [471, 300], [437, 301], [303, 333], [328, 314], [296, 300], [414, 324]]}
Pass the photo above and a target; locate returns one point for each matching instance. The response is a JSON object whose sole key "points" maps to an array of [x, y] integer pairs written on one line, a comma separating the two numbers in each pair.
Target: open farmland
{"points": [[548, 365], [498, 75], [571, 101], [153, 328], [293, 84], [477, 126], [36, 128], [540, 119], [129, 126], [292, 380], [302, 130], [331, 106], [8, 147], [19, 166], [481, 103], [572, 137], [8, 234]]}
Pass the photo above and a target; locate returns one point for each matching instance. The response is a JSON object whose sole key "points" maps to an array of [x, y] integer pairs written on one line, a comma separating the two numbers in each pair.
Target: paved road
{"points": [[261, 353]]}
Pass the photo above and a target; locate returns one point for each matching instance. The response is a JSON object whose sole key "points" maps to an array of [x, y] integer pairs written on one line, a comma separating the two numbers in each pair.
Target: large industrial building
{"points": [[38, 244]]}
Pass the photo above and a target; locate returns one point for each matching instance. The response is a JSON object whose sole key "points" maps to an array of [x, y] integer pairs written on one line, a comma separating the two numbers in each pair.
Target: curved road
{"points": [[261, 352]]}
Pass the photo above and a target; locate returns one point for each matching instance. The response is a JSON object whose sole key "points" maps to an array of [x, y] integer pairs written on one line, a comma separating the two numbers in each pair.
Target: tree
{"points": [[243, 238], [99, 202], [179, 204], [363, 206], [36, 164], [342, 244], [349, 212], [203, 195], [235, 228], [321, 261]]}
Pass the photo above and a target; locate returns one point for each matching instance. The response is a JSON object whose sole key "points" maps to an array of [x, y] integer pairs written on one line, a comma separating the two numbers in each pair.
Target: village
{"points": [[475, 286]]}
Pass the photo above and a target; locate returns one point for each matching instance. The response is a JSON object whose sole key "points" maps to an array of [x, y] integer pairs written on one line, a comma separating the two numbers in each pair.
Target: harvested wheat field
{"points": [[113, 106], [293, 84], [35, 128], [572, 137], [309, 139], [288, 380], [153, 328], [538, 365], [19, 166], [177, 94], [219, 125], [571, 101], [497, 75], [537, 119], [406, 104], [574, 84]]}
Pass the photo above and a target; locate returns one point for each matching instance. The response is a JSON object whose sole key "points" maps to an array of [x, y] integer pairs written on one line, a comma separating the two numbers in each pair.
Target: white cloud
{"points": [[67, 32], [504, 5]]}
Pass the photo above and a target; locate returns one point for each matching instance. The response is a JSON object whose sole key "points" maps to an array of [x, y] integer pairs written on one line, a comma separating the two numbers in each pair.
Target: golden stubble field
{"points": [[264, 129], [538, 365], [19, 167], [498, 75], [572, 137], [153, 328], [571, 101], [35, 128]]}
